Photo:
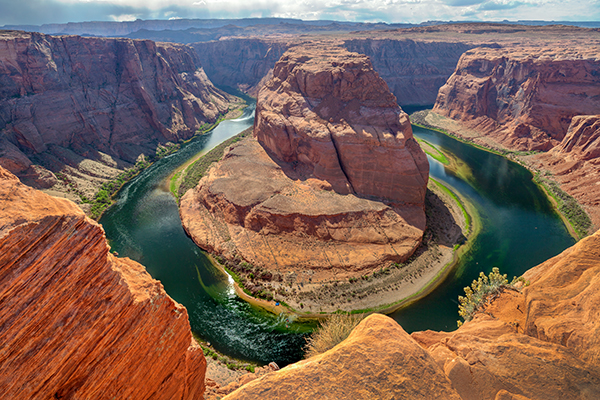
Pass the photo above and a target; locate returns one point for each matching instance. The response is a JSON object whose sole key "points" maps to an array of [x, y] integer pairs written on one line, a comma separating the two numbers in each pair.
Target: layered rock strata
{"points": [[414, 70], [66, 99], [78, 322], [333, 181], [575, 163], [536, 344], [523, 97], [245, 64]]}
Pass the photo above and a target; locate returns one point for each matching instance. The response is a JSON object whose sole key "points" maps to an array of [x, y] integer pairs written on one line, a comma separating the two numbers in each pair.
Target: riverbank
{"points": [[95, 183], [452, 224], [572, 213]]}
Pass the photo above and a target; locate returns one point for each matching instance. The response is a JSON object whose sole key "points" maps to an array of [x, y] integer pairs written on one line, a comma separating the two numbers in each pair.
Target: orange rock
{"points": [[377, 361], [78, 322], [575, 163], [538, 344], [330, 114]]}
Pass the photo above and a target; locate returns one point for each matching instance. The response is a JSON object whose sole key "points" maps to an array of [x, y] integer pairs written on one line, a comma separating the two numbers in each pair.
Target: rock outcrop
{"points": [[64, 99], [523, 97], [327, 111], [575, 163], [377, 361], [78, 322], [540, 343], [333, 181]]}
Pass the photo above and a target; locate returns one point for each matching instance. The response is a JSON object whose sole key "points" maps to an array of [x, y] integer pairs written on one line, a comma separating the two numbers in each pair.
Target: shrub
{"points": [[330, 332], [480, 291]]}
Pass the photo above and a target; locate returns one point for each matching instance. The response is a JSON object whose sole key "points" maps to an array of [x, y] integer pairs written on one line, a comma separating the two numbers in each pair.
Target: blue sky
{"points": [[60, 11]]}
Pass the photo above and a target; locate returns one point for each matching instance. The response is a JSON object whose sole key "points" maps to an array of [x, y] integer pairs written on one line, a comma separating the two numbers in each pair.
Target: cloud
{"points": [[502, 5], [37, 12]]}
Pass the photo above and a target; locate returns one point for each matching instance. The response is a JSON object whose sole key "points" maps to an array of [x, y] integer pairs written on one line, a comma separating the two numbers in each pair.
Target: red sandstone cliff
{"points": [[538, 344], [523, 97], [330, 113], [77, 322], [67, 98], [333, 183]]}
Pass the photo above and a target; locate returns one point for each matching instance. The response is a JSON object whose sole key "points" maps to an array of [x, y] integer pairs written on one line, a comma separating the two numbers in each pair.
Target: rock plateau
{"points": [[332, 184], [77, 322], [540, 343]]}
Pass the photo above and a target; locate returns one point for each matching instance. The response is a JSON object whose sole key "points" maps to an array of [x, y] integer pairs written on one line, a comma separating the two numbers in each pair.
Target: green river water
{"points": [[520, 230]]}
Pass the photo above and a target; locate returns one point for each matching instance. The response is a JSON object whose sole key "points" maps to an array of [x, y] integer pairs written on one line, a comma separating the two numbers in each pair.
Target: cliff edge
{"points": [[78, 322]]}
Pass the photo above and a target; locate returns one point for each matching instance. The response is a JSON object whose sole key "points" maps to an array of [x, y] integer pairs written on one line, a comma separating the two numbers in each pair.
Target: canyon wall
{"points": [[414, 70], [522, 97], [78, 322], [68, 98], [540, 343], [333, 183], [244, 64]]}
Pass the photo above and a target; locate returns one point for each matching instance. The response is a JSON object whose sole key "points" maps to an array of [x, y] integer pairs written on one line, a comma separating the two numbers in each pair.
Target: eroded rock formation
{"points": [[64, 99], [575, 163], [338, 184], [537, 344], [523, 97], [78, 322]]}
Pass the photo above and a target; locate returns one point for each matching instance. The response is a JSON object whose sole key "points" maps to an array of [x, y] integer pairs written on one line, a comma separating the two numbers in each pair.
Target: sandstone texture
{"points": [[575, 163], [540, 343], [524, 97], [65, 99], [77, 322], [377, 361], [328, 112], [333, 182]]}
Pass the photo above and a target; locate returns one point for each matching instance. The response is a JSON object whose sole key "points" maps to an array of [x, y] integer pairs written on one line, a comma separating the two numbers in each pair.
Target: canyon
{"points": [[77, 321], [331, 184], [321, 175], [88, 108]]}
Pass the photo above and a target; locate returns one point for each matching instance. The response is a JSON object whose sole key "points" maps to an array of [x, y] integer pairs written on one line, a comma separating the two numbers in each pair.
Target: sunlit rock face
{"points": [[78, 322]]}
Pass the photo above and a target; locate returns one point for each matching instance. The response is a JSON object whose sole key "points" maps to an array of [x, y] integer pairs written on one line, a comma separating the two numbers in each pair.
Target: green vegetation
{"points": [[458, 201], [331, 332], [196, 171], [484, 290], [567, 206], [433, 151], [229, 362], [103, 198]]}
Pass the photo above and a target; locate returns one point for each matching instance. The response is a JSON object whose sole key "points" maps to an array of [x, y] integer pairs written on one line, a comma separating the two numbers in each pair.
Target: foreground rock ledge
{"points": [[77, 322], [333, 181], [538, 344]]}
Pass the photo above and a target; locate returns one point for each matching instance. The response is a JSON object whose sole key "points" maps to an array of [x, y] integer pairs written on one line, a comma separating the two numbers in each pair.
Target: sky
{"points": [[37, 12]]}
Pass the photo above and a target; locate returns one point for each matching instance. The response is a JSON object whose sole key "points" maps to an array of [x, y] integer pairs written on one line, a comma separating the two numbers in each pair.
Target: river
{"points": [[520, 230]]}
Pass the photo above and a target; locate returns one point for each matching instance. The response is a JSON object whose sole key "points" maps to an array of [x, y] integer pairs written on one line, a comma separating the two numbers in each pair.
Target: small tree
{"points": [[478, 294]]}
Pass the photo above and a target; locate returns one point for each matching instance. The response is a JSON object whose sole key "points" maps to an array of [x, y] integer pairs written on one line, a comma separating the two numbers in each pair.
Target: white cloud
{"points": [[60, 11]]}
